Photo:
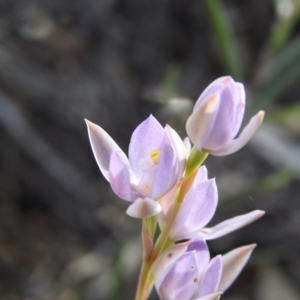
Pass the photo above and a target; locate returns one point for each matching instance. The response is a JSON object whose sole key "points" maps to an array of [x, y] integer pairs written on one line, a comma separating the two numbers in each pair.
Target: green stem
{"points": [[141, 293], [195, 160], [146, 278]]}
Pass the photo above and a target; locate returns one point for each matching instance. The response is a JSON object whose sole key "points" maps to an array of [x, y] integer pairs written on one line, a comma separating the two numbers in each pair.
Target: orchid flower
{"points": [[198, 209], [185, 271], [217, 117], [154, 165], [162, 176]]}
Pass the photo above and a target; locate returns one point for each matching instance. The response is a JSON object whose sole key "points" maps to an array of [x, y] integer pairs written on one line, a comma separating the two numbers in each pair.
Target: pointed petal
{"points": [[102, 146], [199, 123], [200, 247], [233, 263], [243, 138], [239, 95], [143, 208], [196, 211], [201, 175], [165, 175], [214, 296], [119, 175], [211, 278], [231, 225], [182, 280], [147, 137], [165, 262], [179, 147], [228, 118], [215, 87]]}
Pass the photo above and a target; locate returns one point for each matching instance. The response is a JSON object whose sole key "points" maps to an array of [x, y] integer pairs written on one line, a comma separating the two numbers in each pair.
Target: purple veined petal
{"points": [[181, 281], [225, 126], [119, 175], [243, 138], [233, 263], [200, 122], [196, 211], [180, 149], [165, 262], [143, 208], [200, 247], [165, 175], [147, 137], [102, 146], [214, 88], [231, 225], [214, 296], [211, 278]]}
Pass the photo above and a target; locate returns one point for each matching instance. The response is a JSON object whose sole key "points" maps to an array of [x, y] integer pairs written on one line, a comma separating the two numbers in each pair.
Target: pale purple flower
{"points": [[197, 210], [184, 271], [217, 117], [154, 165]]}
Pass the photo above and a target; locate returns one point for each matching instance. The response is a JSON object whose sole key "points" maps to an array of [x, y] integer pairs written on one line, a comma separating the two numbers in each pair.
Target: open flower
{"points": [[217, 117], [185, 271], [197, 210], [156, 162]]}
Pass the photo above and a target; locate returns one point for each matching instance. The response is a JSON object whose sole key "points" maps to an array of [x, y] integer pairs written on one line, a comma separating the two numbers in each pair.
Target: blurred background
{"points": [[63, 233]]}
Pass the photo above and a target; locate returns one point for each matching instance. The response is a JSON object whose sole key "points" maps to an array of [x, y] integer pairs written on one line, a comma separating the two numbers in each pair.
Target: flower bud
{"points": [[217, 117]]}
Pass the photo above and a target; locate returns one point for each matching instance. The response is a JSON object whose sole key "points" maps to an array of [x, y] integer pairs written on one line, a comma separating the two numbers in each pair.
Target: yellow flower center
{"points": [[154, 155]]}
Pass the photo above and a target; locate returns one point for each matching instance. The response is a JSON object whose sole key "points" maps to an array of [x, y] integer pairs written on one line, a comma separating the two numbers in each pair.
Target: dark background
{"points": [[63, 234]]}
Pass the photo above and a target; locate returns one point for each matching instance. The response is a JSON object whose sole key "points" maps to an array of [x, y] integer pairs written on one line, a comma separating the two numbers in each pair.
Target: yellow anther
{"points": [[154, 155]]}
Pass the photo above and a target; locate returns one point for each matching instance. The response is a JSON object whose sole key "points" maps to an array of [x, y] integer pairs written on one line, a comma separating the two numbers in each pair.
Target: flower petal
{"points": [[215, 87], [147, 137], [179, 147], [196, 211], [102, 146], [233, 263], [231, 225], [199, 124], [166, 202], [166, 260], [143, 208], [201, 175], [199, 245], [119, 175], [238, 113], [165, 176], [182, 280], [168, 199], [214, 296], [228, 118], [243, 138], [188, 145], [211, 278]]}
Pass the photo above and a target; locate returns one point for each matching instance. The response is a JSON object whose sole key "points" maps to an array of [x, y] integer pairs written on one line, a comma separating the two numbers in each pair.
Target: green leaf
{"points": [[224, 38]]}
